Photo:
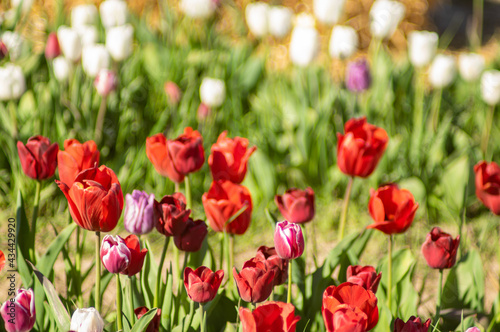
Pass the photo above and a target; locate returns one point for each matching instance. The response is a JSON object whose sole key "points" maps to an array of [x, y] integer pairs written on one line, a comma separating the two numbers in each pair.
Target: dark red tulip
{"points": [[365, 276], [137, 255], [75, 158], [360, 148], [414, 324], [52, 48], [270, 257], [255, 282], [154, 325], [271, 316], [38, 157], [171, 214], [488, 185], [187, 151], [156, 150], [440, 249], [192, 238], [202, 284], [296, 205]]}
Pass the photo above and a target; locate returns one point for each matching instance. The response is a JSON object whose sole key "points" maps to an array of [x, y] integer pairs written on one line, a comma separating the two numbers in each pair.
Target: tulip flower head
{"points": [[296, 205], [105, 82], [473, 329], [14, 43], [490, 87], [365, 276], [422, 46], [83, 15], [440, 249], [304, 42], [87, 320], [156, 150], [488, 185], [272, 261], [70, 43], [119, 42], [328, 11], [75, 158], [115, 255], [94, 59], [3, 50], [203, 112], [192, 238], [154, 325], [442, 71], [171, 214], [212, 92], [414, 324], [113, 13], [470, 66], [13, 83], [88, 34], [62, 68], [271, 316], [38, 157], [385, 16], [52, 48], [137, 255], [139, 217], [288, 240], [2, 260], [279, 21], [186, 151], [343, 42], [173, 92], [256, 15], [19, 313], [358, 77], [202, 284], [198, 9], [254, 282]]}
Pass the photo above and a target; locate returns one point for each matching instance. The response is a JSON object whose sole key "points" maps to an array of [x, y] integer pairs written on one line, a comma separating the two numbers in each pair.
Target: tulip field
{"points": [[206, 165]]}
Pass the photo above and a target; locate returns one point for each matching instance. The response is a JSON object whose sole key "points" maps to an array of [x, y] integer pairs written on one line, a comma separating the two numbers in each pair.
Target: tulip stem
{"points": [[98, 272], [289, 290], [486, 133], [38, 189], [188, 191], [439, 296], [343, 217], [238, 315], [131, 299], [389, 284], [176, 187], [101, 115], [436, 105], [78, 267], [119, 318], [203, 321], [156, 302]]}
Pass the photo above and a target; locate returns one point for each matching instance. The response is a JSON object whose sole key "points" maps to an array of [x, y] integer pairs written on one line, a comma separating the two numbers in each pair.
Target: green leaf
{"points": [[148, 277], [166, 312], [454, 181], [46, 263], [23, 237], [142, 324]]}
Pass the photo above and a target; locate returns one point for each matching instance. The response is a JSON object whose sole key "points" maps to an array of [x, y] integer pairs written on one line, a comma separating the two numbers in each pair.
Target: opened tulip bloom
{"points": [[139, 216], [19, 313], [156, 150], [115, 255], [171, 214], [288, 240], [86, 320], [75, 158], [414, 324], [191, 239], [272, 261], [254, 282], [365, 276], [202, 284], [271, 316], [154, 325], [488, 185], [38, 157], [440, 249], [296, 205], [137, 256]]}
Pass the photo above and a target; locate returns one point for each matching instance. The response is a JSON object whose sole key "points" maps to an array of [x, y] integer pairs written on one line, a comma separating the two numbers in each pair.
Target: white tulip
{"points": [[304, 43], [113, 13], [279, 21], [470, 65], [422, 46], [343, 42], [12, 83], [26, 6], [86, 320], [62, 68], [490, 87], [385, 16], [212, 92], [328, 11], [70, 43], [119, 42], [94, 58], [84, 15], [198, 8], [14, 43], [256, 15], [88, 34], [442, 71]]}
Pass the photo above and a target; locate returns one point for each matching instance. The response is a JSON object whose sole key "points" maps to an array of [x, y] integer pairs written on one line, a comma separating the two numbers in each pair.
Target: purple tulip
{"points": [[19, 313], [358, 76], [288, 240], [115, 255], [139, 215]]}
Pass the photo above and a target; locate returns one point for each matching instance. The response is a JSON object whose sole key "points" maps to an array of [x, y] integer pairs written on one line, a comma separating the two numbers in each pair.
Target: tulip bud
{"points": [[296, 205], [2, 260], [198, 8], [38, 157], [26, 5], [365, 276], [487, 177], [304, 43], [343, 42], [52, 49], [270, 316], [173, 92], [83, 15], [115, 255], [12, 83], [272, 261], [490, 87], [171, 215], [154, 325], [288, 240], [3, 50], [119, 41], [139, 215], [440, 249], [358, 78], [473, 329], [113, 13], [328, 11], [256, 15], [105, 82], [422, 46], [88, 35], [202, 284], [385, 16], [414, 324], [70, 43], [86, 320], [279, 21], [137, 255], [470, 66], [212, 92], [62, 68], [442, 71], [14, 43], [94, 58], [254, 282], [192, 238], [19, 313]]}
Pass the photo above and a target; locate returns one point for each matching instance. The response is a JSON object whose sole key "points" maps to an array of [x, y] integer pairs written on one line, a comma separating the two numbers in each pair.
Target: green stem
{"points": [[289, 290], [439, 296], [228, 249], [119, 318], [343, 217], [389, 284], [486, 136], [177, 269], [478, 9], [156, 302], [181, 273], [238, 314], [314, 247], [38, 189], [177, 189], [99, 124], [78, 267], [188, 191], [202, 318], [131, 299], [436, 106], [98, 272]]}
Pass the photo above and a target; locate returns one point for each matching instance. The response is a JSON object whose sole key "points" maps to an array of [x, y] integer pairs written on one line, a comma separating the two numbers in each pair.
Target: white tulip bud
{"points": [[12, 83], [422, 46], [198, 8], [86, 320], [328, 11], [212, 92], [343, 42], [490, 87], [113, 13], [14, 43], [70, 43], [304, 43], [256, 15], [83, 15], [119, 42], [62, 68], [470, 65], [385, 16], [279, 21], [25, 7], [442, 71], [88, 34], [94, 58]]}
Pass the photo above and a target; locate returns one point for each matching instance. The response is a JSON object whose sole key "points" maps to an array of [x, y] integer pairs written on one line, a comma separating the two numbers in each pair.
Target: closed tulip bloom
{"points": [[254, 282], [256, 15], [2, 260], [414, 324], [139, 217], [62, 69], [358, 78], [94, 59], [3, 50], [365, 276], [14, 43], [171, 214], [203, 112], [487, 177], [473, 329], [392, 209], [343, 42], [490, 87], [187, 151], [115, 255], [38, 157], [222, 201], [113, 13], [119, 41], [198, 8], [442, 71], [279, 21], [385, 16], [202, 284], [105, 82], [86, 320], [192, 238], [13, 84], [75, 158], [95, 199], [52, 48], [422, 46], [88, 35], [470, 66], [70, 43], [83, 15], [156, 150], [19, 313], [296, 205], [328, 11], [360, 148], [212, 92], [304, 43], [288, 240], [272, 261], [173, 92], [271, 316], [137, 256], [440, 249], [154, 325], [349, 307]]}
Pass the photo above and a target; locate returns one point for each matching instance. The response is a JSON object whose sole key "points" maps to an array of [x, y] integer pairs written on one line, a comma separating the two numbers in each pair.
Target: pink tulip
{"points": [[115, 255], [19, 313], [288, 240], [105, 82]]}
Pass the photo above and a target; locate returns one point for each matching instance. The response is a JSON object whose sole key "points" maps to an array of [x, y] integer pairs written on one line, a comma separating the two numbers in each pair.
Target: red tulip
{"points": [[154, 325], [360, 148], [392, 209], [2, 260], [137, 255], [255, 283], [296, 205], [270, 257], [187, 151], [192, 238], [488, 185], [349, 307], [75, 158], [222, 201], [288, 240], [52, 48], [38, 157], [172, 215], [365, 276], [156, 150], [202, 284], [229, 158], [440, 249], [414, 324], [95, 199], [271, 316], [3, 50]]}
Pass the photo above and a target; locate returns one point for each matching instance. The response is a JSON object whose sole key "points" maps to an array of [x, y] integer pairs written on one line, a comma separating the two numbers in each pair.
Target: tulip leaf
{"points": [[455, 180], [23, 241], [46, 262], [142, 324], [148, 277], [166, 311]]}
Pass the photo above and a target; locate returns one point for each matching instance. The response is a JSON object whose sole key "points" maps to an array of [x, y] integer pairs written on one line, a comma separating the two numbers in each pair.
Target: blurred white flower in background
{"points": [[343, 42], [62, 68], [105, 82], [490, 87], [198, 8], [113, 13], [212, 92], [304, 43], [279, 21], [442, 71], [14, 43], [385, 16], [12, 83], [94, 58], [422, 47], [256, 16], [86, 320], [84, 15], [70, 43], [119, 42], [328, 11], [470, 66], [26, 6], [88, 34]]}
